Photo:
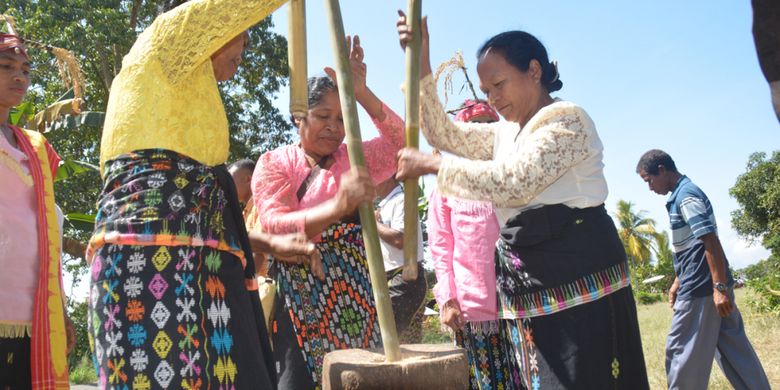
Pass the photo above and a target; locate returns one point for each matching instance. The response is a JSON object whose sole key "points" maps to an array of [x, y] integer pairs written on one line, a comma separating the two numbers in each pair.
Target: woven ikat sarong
{"points": [[338, 313], [168, 305]]}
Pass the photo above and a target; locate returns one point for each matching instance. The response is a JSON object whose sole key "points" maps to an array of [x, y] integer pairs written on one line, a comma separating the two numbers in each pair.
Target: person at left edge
{"points": [[35, 332]]}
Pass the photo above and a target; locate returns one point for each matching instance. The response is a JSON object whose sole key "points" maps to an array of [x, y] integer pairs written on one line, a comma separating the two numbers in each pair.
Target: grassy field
{"points": [[654, 322], [762, 330]]}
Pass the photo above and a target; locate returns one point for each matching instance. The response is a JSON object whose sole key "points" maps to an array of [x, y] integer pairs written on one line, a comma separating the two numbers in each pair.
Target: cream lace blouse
{"points": [[555, 159]]}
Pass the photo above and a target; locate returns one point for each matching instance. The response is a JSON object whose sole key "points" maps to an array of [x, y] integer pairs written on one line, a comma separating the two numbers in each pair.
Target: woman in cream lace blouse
{"points": [[564, 297]]}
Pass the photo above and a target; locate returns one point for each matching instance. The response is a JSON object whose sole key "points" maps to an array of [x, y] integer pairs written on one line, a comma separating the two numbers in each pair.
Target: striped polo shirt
{"points": [[691, 217]]}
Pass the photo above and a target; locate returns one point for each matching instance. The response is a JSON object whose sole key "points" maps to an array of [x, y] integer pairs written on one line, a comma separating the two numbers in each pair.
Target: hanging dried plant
{"points": [[70, 74], [10, 23], [449, 67]]}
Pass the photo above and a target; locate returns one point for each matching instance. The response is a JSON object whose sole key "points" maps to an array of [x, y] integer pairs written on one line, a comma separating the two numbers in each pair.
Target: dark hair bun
{"points": [[551, 78], [519, 48]]}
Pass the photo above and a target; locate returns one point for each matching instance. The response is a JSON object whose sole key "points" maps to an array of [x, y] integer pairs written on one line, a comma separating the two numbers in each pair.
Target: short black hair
{"points": [[318, 87], [168, 5], [650, 161], [519, 48], [244, 163]]}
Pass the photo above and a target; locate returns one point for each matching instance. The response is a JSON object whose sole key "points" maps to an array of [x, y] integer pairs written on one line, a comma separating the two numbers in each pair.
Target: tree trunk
{"points": [[134, 13], [73, 248]]}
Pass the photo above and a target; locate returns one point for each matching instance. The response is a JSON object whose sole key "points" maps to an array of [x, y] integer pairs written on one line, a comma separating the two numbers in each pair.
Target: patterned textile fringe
{"points": [[15, 331], [484, 327], [552, 300]]}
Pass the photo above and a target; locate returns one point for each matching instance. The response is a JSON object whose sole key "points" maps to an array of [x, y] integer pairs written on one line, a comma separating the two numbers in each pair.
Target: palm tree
{"points": [[636, 231], [664, 259]]}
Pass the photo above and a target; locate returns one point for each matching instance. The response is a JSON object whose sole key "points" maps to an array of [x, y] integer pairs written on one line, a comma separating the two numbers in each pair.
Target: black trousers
{"points": [[15, 370]]}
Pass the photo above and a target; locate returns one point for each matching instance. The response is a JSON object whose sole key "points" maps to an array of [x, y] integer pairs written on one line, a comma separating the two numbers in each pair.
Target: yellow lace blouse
{"points": [[166, 95]]}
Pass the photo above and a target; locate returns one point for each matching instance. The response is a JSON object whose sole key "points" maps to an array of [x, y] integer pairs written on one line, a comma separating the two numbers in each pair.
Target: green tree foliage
{"points": [[758, 193]]}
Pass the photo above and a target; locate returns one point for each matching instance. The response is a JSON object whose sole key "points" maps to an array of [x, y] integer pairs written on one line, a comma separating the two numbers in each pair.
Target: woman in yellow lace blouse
{"points": [[171, 300]]}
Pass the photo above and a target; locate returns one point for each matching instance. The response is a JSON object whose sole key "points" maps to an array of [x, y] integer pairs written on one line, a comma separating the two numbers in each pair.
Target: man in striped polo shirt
{"points": [[706, 318]]}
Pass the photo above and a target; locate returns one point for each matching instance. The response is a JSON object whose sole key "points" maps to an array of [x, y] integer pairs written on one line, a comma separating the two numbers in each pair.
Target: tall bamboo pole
{"points": [[412, 138], [376, 265], [296, 58]]}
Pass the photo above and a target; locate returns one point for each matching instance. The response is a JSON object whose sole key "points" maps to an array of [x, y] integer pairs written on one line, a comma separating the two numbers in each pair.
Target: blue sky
{"points": [[663, 74]]}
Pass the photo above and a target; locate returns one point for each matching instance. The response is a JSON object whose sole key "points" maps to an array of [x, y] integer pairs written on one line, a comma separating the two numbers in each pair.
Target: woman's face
{"points": [[227, 59], [513, 93], [14, 78], [322, 131]]}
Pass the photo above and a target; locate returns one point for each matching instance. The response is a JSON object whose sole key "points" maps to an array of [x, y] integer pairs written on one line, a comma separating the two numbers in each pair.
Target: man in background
{"points": [[407, 296], [706, 323]]}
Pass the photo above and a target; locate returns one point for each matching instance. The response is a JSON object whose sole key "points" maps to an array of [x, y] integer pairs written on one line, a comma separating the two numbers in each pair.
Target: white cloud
{"points": [[739, 251]]}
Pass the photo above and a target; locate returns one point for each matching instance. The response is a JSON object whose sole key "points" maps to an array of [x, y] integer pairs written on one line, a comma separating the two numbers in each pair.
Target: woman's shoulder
{"points": [[567, 113], [281, 156], [564, 108]]}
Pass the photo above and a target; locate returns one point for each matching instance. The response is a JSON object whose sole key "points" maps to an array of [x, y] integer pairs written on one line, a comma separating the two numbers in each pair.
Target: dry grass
{"points": [[654, 321], [763, 332]]}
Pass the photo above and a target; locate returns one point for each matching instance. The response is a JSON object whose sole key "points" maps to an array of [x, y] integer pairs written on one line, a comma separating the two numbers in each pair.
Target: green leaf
{"points": [[70, 168], [21, 114], [83, 222]]}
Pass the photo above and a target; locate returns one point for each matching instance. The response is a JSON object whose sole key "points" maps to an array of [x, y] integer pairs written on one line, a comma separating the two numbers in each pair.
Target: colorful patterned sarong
{"points": [[338, 313], [492, 363], [169, 307]]}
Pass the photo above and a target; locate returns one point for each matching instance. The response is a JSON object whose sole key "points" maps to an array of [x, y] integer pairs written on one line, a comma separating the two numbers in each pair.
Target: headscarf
{"points": [[12, 42], [475, 108]]}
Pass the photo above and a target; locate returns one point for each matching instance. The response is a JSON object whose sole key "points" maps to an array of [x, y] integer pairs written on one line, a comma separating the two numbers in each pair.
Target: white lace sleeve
{"points": [[552, 145], [469, 140]]}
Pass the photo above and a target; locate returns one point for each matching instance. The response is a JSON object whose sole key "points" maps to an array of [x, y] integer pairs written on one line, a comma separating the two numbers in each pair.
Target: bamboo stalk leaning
{"points": [[376, 266], [296, 58]]}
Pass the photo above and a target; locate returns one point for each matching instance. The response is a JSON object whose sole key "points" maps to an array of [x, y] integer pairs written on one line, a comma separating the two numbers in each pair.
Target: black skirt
{"points": [[564, 291]]}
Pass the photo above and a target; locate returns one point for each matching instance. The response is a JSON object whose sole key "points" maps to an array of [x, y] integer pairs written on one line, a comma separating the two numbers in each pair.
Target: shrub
{"points": [[77, 311], [83, 372], [764, 279], [648, 298]]}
